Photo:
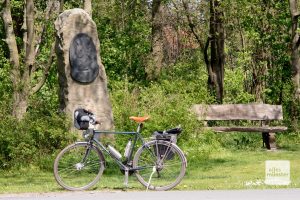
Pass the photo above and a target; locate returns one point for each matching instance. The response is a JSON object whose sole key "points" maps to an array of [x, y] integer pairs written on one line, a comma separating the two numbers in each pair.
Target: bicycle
{"points": [[159, 164]]}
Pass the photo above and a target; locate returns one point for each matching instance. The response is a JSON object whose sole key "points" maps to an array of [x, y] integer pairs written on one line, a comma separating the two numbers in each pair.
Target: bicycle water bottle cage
{"points": [[82, 119]]}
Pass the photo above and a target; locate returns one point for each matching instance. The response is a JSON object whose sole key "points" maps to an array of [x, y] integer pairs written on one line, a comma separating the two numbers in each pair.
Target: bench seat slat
{"points": [[267, 129], [238, 112]]}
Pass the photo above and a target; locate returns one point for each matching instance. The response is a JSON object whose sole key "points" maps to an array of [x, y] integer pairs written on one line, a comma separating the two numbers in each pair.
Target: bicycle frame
{"points": [[137, 136]]}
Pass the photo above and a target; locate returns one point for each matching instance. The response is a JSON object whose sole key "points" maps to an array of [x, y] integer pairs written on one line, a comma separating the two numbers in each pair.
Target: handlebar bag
{"points": [[81, 119]]}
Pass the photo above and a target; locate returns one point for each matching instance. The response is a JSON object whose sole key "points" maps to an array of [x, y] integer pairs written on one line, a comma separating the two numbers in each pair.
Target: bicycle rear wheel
{"points": [[161, 165], [79, 166]]}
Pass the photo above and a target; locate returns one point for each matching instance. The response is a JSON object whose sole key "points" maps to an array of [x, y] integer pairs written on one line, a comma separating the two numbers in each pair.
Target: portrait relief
{"points": [[83, 59]]}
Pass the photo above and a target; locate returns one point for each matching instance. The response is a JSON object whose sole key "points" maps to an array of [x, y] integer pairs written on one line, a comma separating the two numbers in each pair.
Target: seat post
{"points": [[140, 126]]}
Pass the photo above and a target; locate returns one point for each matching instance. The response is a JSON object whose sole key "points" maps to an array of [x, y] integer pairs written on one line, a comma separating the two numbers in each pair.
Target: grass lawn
{"points": [[223, 170]]}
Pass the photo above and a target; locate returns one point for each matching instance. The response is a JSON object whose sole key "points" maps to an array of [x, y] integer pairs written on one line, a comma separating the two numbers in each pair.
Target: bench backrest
{"points": [[238, 112]]}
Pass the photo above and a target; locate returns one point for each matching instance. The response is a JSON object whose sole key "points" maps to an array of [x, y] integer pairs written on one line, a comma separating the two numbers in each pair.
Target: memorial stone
{"points": [[82, 77]]}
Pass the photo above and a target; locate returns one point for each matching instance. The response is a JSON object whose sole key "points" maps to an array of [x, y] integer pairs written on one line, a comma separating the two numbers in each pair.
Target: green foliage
{"points": [[69, 4], [32, 139], [201, 146], [5, 83], [257, 50], [29, 141], [258, 36], [241, 141], [124, 36], [167, 102], [234, 91]]}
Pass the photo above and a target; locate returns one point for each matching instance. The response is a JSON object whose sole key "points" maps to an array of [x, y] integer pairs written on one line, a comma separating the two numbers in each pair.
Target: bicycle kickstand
{"points": [[126, 178]]}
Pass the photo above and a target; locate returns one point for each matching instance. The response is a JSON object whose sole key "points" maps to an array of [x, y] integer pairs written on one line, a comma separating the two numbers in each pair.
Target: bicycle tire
{"points": [[72, 173], [161, 161]]}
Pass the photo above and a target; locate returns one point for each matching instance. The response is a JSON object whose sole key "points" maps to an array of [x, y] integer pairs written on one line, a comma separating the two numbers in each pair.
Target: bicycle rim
{"points": [[161, 165], [78, 166]]}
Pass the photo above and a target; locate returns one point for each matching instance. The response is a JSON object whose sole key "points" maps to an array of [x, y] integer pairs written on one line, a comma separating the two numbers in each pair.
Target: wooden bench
{"points": [[263, 114]]}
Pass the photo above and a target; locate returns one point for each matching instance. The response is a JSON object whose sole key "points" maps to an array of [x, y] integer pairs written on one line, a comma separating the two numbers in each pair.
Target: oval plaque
{"points": [[83, 59]]}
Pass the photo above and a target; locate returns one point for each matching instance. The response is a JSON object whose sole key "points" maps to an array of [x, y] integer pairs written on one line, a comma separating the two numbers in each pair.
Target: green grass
{"points": [[226, 169], [239, 170]]}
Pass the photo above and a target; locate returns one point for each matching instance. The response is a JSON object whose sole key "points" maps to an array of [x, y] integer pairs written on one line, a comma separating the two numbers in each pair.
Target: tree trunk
{"points": [[88, 7], [217, 56], [22, 90], [19, 102], [154, 67], [295, 59]]}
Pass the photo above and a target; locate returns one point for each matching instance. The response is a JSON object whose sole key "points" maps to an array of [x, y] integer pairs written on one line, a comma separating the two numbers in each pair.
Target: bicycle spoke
{"points": [[167, 160], [73, 174]]}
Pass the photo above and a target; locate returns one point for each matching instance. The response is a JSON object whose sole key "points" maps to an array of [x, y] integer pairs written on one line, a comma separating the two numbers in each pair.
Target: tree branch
{"points": [[11, 38], [298, 43], [296, 15], [205, 52], [30, 54], [191, 25], [41, 36], [61, 6], [51, 7], [24, 28], [294, 9], [40, 84]]}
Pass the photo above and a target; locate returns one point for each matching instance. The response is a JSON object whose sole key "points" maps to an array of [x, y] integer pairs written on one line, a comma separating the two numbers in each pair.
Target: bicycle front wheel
{"points": [[79, 166], [160, 165]]}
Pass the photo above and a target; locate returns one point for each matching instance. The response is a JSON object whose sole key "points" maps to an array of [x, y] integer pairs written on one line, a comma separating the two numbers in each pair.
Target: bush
{"points": [[34, 138], [167, 102], [234, 91]]}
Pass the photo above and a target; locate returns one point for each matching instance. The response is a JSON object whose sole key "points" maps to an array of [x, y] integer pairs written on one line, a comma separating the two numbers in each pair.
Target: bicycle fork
{"points": [[81, 164]]}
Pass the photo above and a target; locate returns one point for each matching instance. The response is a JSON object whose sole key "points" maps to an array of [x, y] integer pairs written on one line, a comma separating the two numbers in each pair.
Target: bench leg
{"points": [[272, 141], [266, 141], [269, 140]]}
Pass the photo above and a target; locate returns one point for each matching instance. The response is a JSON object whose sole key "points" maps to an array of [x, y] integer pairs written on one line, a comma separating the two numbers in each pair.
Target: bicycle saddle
{"points": [[139, 119]]}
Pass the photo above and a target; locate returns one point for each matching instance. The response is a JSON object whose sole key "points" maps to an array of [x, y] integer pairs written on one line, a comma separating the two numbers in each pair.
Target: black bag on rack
{"points": [[167, 135]]}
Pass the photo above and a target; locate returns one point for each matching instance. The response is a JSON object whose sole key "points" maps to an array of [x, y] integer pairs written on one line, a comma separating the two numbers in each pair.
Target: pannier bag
{"points": [[82, 118], [167, 135]]}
